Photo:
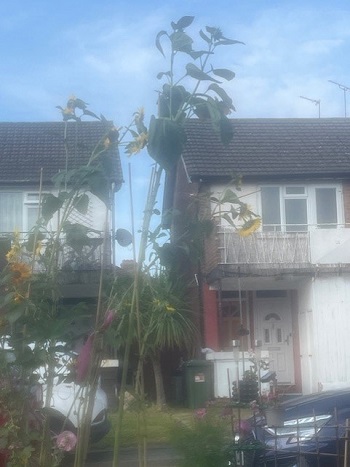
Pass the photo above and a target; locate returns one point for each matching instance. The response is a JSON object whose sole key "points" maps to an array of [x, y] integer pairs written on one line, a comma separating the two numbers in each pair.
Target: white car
{"points": [[67, 402], [66, 407]]}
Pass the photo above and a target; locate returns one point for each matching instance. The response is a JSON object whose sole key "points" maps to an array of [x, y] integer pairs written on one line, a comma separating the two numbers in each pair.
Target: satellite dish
{"points": [[123, 237]]}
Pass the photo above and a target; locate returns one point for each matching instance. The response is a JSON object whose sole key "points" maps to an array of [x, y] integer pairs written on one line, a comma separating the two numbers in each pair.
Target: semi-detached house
{"points": [[288, 283], [34, 151]]}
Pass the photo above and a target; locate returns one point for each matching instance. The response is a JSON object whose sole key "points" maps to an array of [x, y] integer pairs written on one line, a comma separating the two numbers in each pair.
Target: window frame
{"points": [[27, 203], [311, 209]]}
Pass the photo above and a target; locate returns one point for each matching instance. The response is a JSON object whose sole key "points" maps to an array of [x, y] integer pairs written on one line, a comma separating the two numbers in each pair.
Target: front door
{"points": [[273, 327]]}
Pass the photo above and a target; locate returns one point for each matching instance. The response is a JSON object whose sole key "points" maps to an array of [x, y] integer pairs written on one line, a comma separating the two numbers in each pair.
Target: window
{"points": [[326, 207], [18, 211], [11, 211], [294, 208], [31, 211]]}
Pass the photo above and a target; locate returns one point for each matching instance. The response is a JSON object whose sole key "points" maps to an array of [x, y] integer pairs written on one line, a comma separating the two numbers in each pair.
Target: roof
{"points": [[26, 147], [269, 148]]}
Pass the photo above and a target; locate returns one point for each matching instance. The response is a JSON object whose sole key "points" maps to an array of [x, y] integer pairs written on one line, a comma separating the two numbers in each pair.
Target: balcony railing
{"points": [[264, 249], [83, 254]]}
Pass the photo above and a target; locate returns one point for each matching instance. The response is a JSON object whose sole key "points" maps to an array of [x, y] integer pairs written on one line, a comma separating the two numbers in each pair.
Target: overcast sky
{"points": [[103, 52]]}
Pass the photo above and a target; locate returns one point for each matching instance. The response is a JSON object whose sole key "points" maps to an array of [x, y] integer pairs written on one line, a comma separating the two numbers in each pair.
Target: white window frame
{"points": [[310, 196], [30, 200]]}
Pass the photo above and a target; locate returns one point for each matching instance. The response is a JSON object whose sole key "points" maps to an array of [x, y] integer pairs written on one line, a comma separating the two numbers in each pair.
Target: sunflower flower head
{"points": [[14, 253], [250, 227], [21, 272], [137, 144]]}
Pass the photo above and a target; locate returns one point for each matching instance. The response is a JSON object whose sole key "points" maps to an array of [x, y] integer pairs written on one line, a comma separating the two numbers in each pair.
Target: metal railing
{"points": [[264, 248], [78, 255]]}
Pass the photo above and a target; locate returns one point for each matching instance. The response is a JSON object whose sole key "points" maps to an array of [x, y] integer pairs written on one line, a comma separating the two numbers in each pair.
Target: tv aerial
{"points": [[344, 89], [316, 102]]}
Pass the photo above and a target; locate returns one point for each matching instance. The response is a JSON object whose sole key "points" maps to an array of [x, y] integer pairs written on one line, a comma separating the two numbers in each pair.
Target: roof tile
{"points": [[269, 148], [26, 147]]}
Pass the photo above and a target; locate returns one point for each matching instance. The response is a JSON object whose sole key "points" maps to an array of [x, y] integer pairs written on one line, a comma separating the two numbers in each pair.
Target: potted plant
{"points": [[248, 387]]}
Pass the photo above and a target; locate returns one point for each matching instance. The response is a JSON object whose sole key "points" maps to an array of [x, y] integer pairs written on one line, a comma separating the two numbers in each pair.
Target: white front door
{"points": [[273, 327]]}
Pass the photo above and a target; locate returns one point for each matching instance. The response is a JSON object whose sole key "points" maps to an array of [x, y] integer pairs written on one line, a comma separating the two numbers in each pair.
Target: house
{"points": [[284, 289], [31, 154]]}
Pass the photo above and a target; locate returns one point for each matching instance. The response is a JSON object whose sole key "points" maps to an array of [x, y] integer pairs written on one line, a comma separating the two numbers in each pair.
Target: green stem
{"points": [[135, 312]]}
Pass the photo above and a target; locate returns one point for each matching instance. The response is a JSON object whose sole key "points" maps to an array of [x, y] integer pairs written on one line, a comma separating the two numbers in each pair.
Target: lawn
{"points": [[159, 424]]}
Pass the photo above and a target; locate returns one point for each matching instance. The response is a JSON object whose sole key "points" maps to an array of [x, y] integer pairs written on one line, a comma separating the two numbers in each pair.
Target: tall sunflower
{"points": [[21, 272]]}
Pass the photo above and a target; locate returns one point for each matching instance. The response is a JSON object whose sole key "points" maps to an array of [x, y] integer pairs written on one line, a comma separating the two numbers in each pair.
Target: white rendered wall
{"points": [[229, 368], [324, 330]]}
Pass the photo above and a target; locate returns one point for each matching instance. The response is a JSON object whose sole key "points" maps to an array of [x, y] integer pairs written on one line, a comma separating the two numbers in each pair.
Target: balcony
{"points": [[78, 261], [287, 251], [264, 249]]}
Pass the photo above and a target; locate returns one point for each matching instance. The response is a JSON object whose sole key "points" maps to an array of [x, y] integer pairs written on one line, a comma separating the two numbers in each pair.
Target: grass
{"points": [[158, 426]]}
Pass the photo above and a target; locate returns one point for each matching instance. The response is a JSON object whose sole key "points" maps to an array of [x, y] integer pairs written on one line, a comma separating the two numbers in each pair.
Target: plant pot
{"points": [[248, 391], [274, 416]]}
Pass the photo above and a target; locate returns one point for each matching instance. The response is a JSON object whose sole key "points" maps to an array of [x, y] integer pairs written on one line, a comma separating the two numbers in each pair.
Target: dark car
{"points": [[309, 431]]}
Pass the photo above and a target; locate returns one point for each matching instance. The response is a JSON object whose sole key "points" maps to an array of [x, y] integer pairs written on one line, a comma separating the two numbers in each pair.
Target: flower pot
{"points": [[248, 391]]}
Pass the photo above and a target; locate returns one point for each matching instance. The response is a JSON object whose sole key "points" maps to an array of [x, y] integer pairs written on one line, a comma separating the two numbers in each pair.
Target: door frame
{"points": [[266, 297]]}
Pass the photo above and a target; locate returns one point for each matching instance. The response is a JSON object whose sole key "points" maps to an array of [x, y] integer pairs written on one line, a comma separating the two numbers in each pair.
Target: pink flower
{"points": [[108, 320], [66, 441], [200, 413], [84, 358]]}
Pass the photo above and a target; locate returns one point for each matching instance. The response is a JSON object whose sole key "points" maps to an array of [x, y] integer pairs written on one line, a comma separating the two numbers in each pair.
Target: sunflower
{"points": [[13, 254], [249, 227], [138, 143], [21, 272]]}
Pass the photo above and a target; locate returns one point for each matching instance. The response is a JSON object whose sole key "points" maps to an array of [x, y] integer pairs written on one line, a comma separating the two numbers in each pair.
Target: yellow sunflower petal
{"points": [[250, 227]]}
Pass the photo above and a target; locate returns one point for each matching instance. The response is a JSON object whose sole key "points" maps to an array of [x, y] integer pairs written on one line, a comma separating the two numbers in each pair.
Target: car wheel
{"points": [[57, 425]]}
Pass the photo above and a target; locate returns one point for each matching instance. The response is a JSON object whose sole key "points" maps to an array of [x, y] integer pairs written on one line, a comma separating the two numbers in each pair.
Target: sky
{"points": [[103, 52]]}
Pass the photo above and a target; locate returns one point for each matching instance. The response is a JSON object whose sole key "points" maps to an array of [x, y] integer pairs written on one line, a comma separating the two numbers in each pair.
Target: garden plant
{"points": [[152, 311]]}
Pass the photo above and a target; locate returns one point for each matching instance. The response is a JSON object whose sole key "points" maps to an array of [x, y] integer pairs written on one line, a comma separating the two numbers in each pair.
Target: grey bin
{"points": [[198, 383]]}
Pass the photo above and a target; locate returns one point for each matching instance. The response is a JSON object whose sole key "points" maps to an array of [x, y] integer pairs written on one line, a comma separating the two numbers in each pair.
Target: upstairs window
{"points": [[326, 207], [296, 208], [18, 211], [11, 211]]}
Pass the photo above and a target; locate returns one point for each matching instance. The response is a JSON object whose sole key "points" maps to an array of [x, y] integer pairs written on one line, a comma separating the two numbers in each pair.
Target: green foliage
{"points": [[166, 141], [165, 138], [205, 442], [34, 322], [168, 320]]}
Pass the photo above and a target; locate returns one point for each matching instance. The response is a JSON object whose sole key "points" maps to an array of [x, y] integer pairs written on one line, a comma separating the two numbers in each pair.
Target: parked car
{"points": [[65, 407], [66, 404], [312, 431]]}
